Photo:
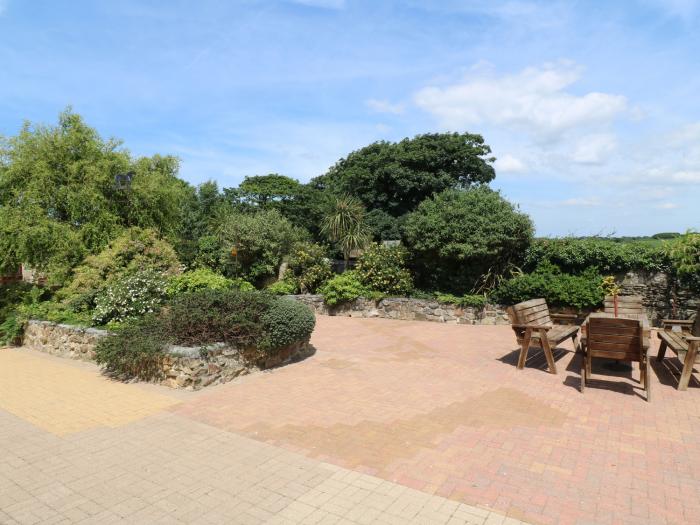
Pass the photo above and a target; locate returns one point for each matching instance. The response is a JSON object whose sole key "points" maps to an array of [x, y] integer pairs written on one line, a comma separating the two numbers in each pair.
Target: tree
{"points": [[260, 240], [459, 236], [264, 190], [345, 226], [60, 200], [397, 177]]}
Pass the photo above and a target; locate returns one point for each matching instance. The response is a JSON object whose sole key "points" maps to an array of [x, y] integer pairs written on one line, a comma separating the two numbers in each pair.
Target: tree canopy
{"points": [[60, 199], [458, 236], [397, 177]]}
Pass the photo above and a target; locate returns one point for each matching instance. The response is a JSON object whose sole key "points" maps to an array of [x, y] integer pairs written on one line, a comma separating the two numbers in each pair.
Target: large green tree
{"points": [[459, 236], [397, 177], [61, 196]]}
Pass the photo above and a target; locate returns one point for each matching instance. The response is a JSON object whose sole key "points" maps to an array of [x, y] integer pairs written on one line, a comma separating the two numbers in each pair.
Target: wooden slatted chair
{"points": [[683, 337], [626, 304], [615, 338], [532, 324]]}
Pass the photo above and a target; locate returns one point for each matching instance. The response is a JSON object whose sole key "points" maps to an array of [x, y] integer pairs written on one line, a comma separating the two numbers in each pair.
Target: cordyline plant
{"points": [[345, 226]]}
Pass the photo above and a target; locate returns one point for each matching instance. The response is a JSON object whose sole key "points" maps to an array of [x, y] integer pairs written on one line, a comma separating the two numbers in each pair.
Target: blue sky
{"points": [[591, 108]]}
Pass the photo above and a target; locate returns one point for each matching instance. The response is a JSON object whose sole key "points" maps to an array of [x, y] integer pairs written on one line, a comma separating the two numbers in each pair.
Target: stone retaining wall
{"points": [[183, 367], [409, 310], [664, 297]]}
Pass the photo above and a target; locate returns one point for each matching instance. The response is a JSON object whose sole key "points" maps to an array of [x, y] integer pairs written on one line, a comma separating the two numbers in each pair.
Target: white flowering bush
{"points": [[130, 297]]}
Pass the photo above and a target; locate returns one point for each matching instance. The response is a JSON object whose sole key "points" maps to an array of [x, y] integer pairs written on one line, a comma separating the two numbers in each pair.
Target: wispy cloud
{"points": [[3, 6], [509, 164], [384, 106]]}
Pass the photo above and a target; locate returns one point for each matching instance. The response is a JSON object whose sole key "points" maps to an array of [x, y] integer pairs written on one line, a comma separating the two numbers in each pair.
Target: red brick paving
{"points": [[442, 408]]}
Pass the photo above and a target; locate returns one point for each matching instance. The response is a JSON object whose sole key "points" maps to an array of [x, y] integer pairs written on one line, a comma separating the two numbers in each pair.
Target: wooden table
{"points": [[642, 318]]}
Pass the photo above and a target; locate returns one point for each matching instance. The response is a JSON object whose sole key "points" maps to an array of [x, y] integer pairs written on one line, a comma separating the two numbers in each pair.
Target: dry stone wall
{"points": [[183, 367], [409, 310]]}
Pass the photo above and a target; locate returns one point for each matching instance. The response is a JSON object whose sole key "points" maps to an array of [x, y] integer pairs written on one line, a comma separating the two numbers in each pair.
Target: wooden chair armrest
{"points": [[564, 316], [691, 338], [676, 321], [532, 326]]}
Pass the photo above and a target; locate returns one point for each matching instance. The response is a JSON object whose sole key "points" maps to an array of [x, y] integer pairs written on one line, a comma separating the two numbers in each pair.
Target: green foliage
{"points": [[261, 239], [286, 322], [383, 269], [135, 251], [136, 351], [11, 330], [283, 287], [129, 297], [476, 301], [385, 227], [201, 279], [397, 177], [607, 256], [559, 289], [684, 253], [345, 225], [610, 286], [268, 190], [345, 287], [458, 236], [11, 295], [666, 235], [59, 200], [309, 267]]}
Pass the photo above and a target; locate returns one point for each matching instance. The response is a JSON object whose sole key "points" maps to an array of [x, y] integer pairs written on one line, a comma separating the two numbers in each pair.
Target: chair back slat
{"points": [[615, 338], [695, 331], [534, 312], [626, 304]]}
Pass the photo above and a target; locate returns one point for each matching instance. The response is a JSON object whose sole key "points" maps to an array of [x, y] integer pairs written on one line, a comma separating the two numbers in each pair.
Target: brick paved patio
{"points": [[389, 422]]}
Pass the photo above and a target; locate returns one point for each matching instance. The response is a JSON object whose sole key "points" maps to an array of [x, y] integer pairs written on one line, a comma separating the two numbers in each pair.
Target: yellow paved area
{"points": [[63, 399]]}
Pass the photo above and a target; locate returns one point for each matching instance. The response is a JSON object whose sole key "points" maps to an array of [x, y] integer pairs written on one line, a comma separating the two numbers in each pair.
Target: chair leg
{"points": [[577, 347], [688, 366], [647, 380], [642, 372], [525, 347], [547, 351], [662, 351]]}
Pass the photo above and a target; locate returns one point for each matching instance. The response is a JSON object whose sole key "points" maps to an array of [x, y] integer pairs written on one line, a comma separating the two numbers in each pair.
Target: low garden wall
{"points": [[409, 310], [183, 367], [664, 297]]}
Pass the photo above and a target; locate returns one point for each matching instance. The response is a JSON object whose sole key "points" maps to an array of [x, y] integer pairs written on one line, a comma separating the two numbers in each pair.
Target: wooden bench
{"points": [[532, 324], [615, 338], [626, 304], [683, 337]]}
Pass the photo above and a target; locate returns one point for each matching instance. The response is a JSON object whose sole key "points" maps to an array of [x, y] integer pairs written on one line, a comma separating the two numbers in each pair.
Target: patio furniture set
{"points": [[622, 332]]}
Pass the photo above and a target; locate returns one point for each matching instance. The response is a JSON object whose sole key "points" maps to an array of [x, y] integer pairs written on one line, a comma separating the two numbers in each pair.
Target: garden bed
{"points": [[190, 368]]}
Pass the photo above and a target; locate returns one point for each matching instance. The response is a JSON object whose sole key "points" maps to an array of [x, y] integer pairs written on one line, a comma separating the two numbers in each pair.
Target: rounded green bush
{"points": [[203, 279], [286, 322], [343, 288]]}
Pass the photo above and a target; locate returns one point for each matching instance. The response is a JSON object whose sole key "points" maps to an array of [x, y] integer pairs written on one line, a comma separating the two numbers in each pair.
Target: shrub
{"points": [[458, 236], [343, 288], [559, 289], [283, 287], [261, 240], [136, 250], [11, 330], [129, 297], [607, 256], [309, 267], [256, 323], [383, 269], [684, 253], [202, 279], [135, 351], [476, 301], [285, 322]]}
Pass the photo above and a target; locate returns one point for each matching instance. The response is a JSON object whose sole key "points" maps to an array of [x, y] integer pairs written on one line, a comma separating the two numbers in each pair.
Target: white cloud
{"points": [[534, 100], [384, 106], [509, 164], [594, 149], [324, 4]]}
